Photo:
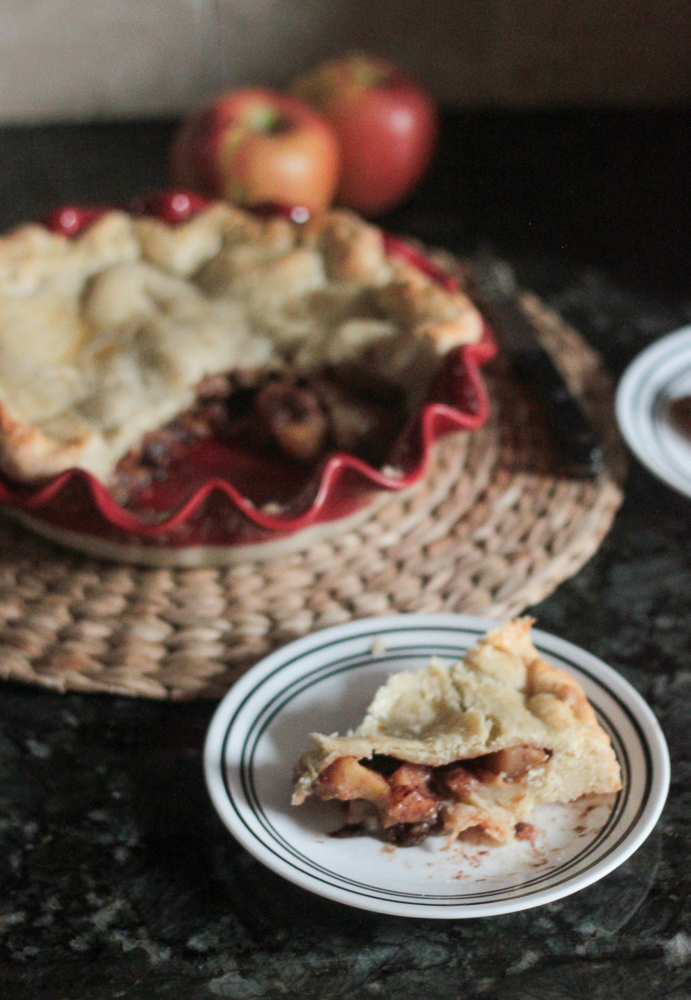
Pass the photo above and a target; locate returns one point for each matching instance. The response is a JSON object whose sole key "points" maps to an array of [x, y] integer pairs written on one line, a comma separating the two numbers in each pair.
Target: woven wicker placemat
{"points": [[491, 529]]}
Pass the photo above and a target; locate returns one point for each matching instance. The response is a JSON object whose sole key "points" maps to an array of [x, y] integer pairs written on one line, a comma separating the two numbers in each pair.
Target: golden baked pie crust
{"points": [[104, 336]]}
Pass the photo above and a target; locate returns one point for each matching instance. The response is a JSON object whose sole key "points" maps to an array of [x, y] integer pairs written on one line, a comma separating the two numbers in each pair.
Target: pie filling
{"points": [[300, 417], [405, 802]]}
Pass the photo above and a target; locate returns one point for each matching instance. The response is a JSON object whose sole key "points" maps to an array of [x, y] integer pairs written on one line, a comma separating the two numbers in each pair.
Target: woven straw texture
{"points": [[491, 529]]}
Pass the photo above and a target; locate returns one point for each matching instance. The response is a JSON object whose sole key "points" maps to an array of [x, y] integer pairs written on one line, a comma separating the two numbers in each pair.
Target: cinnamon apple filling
{"points": [[406, 802], [301, 417]]}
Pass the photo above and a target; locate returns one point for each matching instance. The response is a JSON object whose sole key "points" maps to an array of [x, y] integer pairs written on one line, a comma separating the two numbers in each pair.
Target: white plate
{"points": [[324, 682], [658, 375]]}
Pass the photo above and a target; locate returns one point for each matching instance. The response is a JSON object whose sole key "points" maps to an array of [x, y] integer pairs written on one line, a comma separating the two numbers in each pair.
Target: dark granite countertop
{"points": [[118, 880]]}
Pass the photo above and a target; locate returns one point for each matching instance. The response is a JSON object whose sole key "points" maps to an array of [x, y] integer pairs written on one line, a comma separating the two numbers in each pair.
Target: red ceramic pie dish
{"points": [[208, 509]]}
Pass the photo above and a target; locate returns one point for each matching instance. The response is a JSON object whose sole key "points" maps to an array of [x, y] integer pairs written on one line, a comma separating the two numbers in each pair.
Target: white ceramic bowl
{"points": [[324, 682]]}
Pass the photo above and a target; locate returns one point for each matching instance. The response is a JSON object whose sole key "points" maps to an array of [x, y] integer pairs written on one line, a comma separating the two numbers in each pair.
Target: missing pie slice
{"points": [[477, 744], [108, 337]]}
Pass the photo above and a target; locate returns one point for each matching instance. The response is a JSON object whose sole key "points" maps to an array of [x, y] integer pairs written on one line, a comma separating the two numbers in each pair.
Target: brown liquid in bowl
{"points": [[680, 414]]}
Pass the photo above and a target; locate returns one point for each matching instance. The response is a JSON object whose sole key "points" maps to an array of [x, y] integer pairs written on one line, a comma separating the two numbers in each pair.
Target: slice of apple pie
{"points": [[137, 325], [474, 745]]}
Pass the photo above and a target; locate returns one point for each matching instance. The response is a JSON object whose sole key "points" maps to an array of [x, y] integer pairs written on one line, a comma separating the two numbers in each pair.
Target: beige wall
{"points": [[88, 59]]}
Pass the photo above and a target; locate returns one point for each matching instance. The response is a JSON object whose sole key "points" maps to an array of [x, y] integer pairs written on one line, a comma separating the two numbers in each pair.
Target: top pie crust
{"points": [[503, 695], [104, 337]]}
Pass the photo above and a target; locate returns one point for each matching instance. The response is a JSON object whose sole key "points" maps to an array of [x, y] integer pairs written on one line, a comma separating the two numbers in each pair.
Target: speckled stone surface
{"points": [[117, 879]]}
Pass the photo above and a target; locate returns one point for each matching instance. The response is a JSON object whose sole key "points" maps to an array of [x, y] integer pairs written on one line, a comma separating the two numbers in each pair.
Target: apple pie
{"points": [[123, 343], [477, 744]]}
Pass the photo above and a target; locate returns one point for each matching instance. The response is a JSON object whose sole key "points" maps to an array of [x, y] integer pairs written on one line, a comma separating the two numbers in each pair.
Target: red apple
{"points": [[385, 122], [256, 146]]}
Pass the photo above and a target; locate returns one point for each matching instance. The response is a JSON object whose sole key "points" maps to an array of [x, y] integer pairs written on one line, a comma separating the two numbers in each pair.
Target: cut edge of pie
{"points": [[477, 744], [105, 336]]}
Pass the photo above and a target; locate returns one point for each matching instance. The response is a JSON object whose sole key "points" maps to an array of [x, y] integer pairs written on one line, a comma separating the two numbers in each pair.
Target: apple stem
{"points": [[263, 118], [364, 71]]}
